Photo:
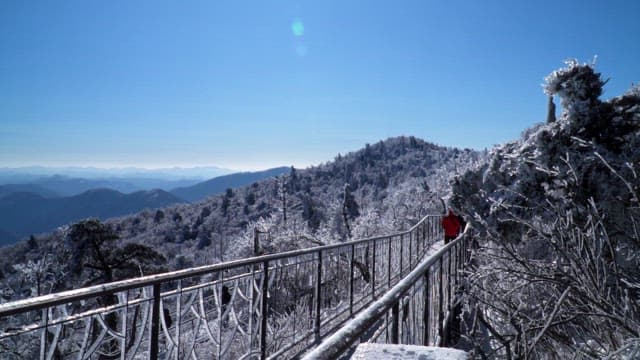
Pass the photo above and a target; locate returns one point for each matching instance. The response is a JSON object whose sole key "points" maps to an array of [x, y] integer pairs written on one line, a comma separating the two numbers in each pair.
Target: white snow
{"points": [[367, 351]]}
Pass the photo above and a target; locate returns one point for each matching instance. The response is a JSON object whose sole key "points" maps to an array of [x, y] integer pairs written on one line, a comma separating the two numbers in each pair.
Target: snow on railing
{"points": [[271, 306]]}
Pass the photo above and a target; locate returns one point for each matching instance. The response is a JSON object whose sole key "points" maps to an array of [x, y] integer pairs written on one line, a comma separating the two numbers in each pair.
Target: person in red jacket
{"points": [[451, 225]]}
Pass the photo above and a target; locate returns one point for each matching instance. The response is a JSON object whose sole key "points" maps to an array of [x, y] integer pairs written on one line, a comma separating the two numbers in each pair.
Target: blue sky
{"points": [[254, 84]]}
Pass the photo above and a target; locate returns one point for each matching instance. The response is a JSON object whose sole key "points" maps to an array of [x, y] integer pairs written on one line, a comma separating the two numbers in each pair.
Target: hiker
{"points": [[451, 225]]}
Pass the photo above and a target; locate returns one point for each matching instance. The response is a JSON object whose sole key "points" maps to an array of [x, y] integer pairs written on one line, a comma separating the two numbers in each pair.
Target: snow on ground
{"points": [[367, 351]]}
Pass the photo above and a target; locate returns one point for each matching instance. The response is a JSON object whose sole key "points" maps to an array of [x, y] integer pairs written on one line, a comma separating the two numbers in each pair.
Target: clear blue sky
{"points": [[253, 84]]}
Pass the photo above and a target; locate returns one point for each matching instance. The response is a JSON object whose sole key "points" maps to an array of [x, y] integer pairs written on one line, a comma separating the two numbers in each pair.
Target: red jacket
{"points": [[451, 224]]}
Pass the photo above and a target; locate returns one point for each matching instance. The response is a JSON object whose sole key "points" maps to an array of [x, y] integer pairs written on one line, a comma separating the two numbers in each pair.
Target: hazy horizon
{"points": [[234, 167], [186, 172]]}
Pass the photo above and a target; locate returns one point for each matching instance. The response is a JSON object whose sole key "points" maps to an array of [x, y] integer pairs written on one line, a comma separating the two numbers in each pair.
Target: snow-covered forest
{"points": [[382, 188]]}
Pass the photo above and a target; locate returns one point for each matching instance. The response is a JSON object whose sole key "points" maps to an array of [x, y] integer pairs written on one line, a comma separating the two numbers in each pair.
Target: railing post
{"points": [[395, 315], [463, 262], [458, 263], [455, 266], [264, 310], [418, 245], [389, 264], [316, 329], [435, 230], [410, 250], [353, 255], [420, 232], [432, 229], [252, 309], [178, 319], [155, 323], [220, 313], [419, 242], [123, 328], [373, 272], [401, 252], [425, 314], [464, 252], [424, 237], [440, 305], [464, 240], [449, 280], [43, 337]]}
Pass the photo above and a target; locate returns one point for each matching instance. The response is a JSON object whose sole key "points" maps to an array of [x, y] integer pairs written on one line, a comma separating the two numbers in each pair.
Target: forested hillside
{"points": [[556, 218], [385, 187]]}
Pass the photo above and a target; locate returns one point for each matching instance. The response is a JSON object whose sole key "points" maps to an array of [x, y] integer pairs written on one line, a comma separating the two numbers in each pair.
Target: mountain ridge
{"points": [[31, 210], [8, 189], [25, 213], [219, 184]]}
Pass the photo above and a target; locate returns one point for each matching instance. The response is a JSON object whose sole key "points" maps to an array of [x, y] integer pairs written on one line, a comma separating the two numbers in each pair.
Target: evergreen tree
{"points": [[93, 248], [350, 209]]}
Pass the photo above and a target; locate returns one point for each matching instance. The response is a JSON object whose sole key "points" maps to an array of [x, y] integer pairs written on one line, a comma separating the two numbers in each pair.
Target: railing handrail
{"points": [[68, 296], [334, 345]]}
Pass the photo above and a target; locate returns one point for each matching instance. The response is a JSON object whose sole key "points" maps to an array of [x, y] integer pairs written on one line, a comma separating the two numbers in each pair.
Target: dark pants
{"points": [[448, 238]]}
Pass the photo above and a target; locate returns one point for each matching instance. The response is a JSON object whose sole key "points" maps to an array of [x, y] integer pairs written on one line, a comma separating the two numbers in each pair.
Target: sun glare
{"points": [[297, 27]]}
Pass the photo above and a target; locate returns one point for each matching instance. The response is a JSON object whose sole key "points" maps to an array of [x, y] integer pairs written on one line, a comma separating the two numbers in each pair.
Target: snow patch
{"points": [[367, 351]]}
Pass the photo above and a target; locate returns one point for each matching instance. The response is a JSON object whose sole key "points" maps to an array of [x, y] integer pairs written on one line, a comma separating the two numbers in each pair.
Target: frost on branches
{"points": [[574, 84], [557, 217]]}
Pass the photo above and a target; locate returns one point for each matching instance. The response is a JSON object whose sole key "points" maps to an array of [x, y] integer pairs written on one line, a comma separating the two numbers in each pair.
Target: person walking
{"points": [[451, 226]]}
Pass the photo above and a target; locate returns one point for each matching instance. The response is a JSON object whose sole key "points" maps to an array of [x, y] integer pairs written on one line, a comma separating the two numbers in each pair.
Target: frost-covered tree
{"points": [[93, 249], [555, 217], [38, 275], [576, 84], [350, 209]]}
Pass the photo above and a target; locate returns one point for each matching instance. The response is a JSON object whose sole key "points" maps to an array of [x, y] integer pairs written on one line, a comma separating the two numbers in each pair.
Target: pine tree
{"points": [[350, 208], [93, 248]]}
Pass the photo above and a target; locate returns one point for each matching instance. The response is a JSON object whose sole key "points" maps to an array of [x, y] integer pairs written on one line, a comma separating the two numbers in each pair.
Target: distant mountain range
{"points": [[70, 186], [9, 189], [57, 200], [221, 183], [27, 213], [27, 174]]}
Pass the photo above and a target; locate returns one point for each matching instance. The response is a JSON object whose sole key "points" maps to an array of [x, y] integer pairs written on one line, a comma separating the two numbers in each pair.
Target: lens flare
{"points": [[301, 50], [297, 27]]}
